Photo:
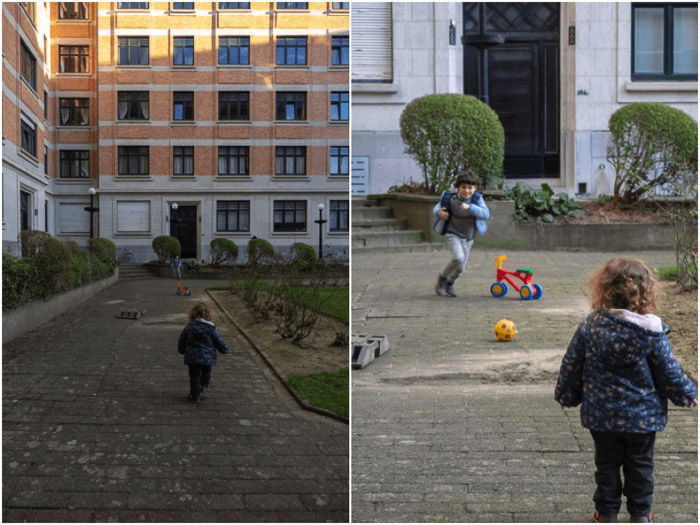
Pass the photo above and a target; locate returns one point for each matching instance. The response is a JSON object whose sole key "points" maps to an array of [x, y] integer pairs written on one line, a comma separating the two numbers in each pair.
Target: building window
{"points": [[25, 210], [28, 65], [340, 158], [664, 42], [292, 5], [233, 105], [291, 105], [46, 105], [133, 51], [340, 105], [340, 51], [75, 164], [133, 160], [291, 50], [234, 5], [73, 111], [183, 5], [339, 216], [29, 8], [73, 59], [132, 5], [234, 50], [183, 51], [183, 105], [289, 216], [133, 105], [290, 160], [372, 43], [28, 131], [46, 159], [72, 11], [232, 216], [183, 160], [233, 160], [340, 5]]}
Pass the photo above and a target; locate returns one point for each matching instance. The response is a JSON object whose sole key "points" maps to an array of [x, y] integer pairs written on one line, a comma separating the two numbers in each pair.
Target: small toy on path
{"points": [[505, 330], [528, 290], [182, 290]]}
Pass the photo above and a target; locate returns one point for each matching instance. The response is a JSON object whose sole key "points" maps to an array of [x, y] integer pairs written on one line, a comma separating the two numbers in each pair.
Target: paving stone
{"points": [[451, 426], [96, 426]]}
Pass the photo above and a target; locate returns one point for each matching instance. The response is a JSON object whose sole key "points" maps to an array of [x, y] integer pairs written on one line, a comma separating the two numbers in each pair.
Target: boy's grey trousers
{"points": [[460, 255]]}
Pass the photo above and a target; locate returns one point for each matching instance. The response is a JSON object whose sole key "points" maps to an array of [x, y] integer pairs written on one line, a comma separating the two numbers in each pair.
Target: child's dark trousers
{"points": [[200, 375], [635, 454]]}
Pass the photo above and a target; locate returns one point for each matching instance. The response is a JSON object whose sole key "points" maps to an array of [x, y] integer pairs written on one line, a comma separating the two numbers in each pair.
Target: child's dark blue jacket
{"points": [[622, 374], [199, 342]]}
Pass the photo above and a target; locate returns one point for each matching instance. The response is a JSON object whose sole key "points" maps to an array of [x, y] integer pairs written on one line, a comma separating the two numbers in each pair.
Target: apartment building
{"points": [[195, 119]]}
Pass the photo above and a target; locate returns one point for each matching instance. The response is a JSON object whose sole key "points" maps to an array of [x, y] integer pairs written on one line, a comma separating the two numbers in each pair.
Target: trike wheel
{"points": [[538, 291], [526, 292], [498, 289]]}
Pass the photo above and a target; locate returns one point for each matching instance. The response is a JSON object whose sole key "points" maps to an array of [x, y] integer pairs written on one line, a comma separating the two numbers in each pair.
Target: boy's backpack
{"points": [[440, 225]]}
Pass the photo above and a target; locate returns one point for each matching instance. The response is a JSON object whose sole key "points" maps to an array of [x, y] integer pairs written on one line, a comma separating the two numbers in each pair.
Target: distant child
{"points": [[620, 367], [199, 342], [460, 215], [176, 264]]}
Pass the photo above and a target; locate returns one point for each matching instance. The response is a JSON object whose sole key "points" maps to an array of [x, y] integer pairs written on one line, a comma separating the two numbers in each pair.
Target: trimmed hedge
{"points": [[304, 255], [223, 250], [260, 251], [104, 250], [166, 247]]}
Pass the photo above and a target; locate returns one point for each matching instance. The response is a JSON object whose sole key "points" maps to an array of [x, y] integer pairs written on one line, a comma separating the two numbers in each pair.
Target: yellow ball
{"points": [[505, 330]]}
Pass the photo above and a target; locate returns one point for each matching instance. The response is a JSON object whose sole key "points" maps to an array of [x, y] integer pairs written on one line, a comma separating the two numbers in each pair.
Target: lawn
{"points": [[329, 390]]}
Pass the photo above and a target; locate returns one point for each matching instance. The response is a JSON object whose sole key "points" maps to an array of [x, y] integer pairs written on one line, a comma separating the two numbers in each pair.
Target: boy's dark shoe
{"points": [[642, 519], [451, 290], [193, 399], [599, 518], [441, 287]]}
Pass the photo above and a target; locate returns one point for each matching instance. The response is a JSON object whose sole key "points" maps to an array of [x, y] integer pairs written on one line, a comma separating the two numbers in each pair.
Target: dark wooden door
{"points": [[25, 205], [184, 228], [523, 76]]}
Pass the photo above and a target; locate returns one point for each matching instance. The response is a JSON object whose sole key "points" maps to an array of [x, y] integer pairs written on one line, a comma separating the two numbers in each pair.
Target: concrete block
{"points": [[382, 344], [363, 354]]}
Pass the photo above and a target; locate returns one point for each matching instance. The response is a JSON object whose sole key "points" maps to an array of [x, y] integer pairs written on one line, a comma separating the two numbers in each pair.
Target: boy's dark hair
{"points": [[466, 177]]}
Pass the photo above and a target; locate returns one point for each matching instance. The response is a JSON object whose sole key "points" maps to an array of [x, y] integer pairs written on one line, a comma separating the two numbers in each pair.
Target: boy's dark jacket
{"points": [[199, 341], [622, 374]]}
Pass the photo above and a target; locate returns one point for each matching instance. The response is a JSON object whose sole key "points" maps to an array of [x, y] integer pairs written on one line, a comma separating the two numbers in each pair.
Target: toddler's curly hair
{"points": [[199, 310], [623, 282]]}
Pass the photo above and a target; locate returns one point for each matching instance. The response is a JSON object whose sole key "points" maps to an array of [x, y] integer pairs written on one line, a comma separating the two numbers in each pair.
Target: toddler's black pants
{"points": [[200, 375], [635, 454]]}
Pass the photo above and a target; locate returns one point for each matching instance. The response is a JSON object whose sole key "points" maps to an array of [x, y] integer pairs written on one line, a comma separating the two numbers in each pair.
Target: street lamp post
{"points": [[92, 209], [173, 219], [320, 221]]}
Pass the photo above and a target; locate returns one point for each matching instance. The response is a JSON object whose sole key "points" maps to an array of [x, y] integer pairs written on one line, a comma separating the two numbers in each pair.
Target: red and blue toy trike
{"points": [[528, 290]]}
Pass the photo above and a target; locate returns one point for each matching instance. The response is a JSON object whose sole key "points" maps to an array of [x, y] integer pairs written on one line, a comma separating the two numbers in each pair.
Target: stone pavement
{"points": [[96, 425], [452, 426]]}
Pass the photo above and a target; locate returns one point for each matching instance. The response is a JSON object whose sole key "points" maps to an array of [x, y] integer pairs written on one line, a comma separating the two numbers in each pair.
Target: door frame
{"points": [[198, 223]]}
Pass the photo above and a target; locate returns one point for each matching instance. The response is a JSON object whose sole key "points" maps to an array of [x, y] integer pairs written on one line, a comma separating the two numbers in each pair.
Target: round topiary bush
{"points": [[104, 250], [652, 144], [32, 241], [451, 132], [166, 247], [223, 250], [260, 251], [304, 255]]}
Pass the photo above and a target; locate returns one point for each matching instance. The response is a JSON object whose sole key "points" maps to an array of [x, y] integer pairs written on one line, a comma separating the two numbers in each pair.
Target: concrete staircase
{"points": [[374, 228], [134, 271]]}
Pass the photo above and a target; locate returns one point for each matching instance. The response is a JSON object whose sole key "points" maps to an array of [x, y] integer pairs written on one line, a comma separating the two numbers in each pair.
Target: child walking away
{"points": [[199, 342], [620, 368], [460, 215]]}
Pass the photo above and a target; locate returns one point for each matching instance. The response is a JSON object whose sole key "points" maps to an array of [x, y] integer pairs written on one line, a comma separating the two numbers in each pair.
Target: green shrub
{"points": [[104, 251], [260, 251], [19, 280], [32, 241], [540, 204], [223, 250], [652, 144], [54, 263], [166, 247], [304, 256], [447, 133]]}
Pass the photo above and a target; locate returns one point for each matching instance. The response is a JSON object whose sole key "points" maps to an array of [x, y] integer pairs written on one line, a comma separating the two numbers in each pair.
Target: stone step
{"points": [[132, 272], [378, 240], [367, 213], [401, 248], [378, 225]]}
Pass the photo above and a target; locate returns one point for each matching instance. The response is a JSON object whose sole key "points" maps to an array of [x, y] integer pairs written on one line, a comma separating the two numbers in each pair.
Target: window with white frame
{"points": [[339, 216], [340, 161], [289, 216], [232, 216]]}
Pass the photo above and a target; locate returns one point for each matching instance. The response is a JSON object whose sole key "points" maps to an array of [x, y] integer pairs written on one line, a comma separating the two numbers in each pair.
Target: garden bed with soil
{"points": [[679, 310]]}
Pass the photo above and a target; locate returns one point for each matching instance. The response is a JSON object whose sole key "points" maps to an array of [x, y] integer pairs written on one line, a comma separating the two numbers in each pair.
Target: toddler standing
{"points": [[620, 368]]}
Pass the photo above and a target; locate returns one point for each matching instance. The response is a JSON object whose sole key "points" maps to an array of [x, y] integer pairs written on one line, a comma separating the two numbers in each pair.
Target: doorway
{"points": [[183, 226], [523, 81]]}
